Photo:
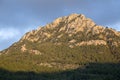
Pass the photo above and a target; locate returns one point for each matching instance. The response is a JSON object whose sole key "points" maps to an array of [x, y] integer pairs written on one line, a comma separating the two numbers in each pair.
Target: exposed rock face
{"points": [[74, 21], [35, 52], [32, 51], [23, 48], [92, 42], [59, 65], [71, 24], [72, 41]]}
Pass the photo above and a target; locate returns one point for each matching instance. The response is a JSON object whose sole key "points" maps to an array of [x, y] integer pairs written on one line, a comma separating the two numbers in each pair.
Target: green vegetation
{"points": [[92, 63]]}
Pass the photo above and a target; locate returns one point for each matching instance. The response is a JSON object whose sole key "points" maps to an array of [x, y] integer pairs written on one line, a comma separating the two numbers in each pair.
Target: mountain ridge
{"points": [[69, 28], [72, 31], [70, 48]]}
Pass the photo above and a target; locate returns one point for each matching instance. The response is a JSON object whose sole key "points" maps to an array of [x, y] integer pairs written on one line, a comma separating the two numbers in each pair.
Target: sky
{"points": [[20, 16]]}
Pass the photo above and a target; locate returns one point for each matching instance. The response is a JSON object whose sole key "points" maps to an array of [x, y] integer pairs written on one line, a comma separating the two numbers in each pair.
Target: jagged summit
{"points": [[73, 18], [69, 24], [72, 25]]}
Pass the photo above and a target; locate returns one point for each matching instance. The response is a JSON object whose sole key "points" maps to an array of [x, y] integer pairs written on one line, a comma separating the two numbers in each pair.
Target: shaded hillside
{"points": [[93, 71]]}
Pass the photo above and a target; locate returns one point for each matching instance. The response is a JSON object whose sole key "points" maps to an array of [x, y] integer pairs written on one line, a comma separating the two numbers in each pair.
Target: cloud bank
{"points": [[8, 33]]}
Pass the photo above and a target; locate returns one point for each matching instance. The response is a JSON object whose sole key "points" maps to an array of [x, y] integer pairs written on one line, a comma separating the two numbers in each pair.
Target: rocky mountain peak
{"points": [[66, 19], [71, 24], [73, 30], [74, 24], [70, 48]]}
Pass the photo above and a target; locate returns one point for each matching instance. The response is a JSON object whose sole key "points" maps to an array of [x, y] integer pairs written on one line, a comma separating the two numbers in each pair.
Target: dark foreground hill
{"points": [[93, 71], [70, 48]]}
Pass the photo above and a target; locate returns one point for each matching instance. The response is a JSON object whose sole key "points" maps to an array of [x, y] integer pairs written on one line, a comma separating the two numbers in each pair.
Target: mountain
{"points": [[69, 42]]}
